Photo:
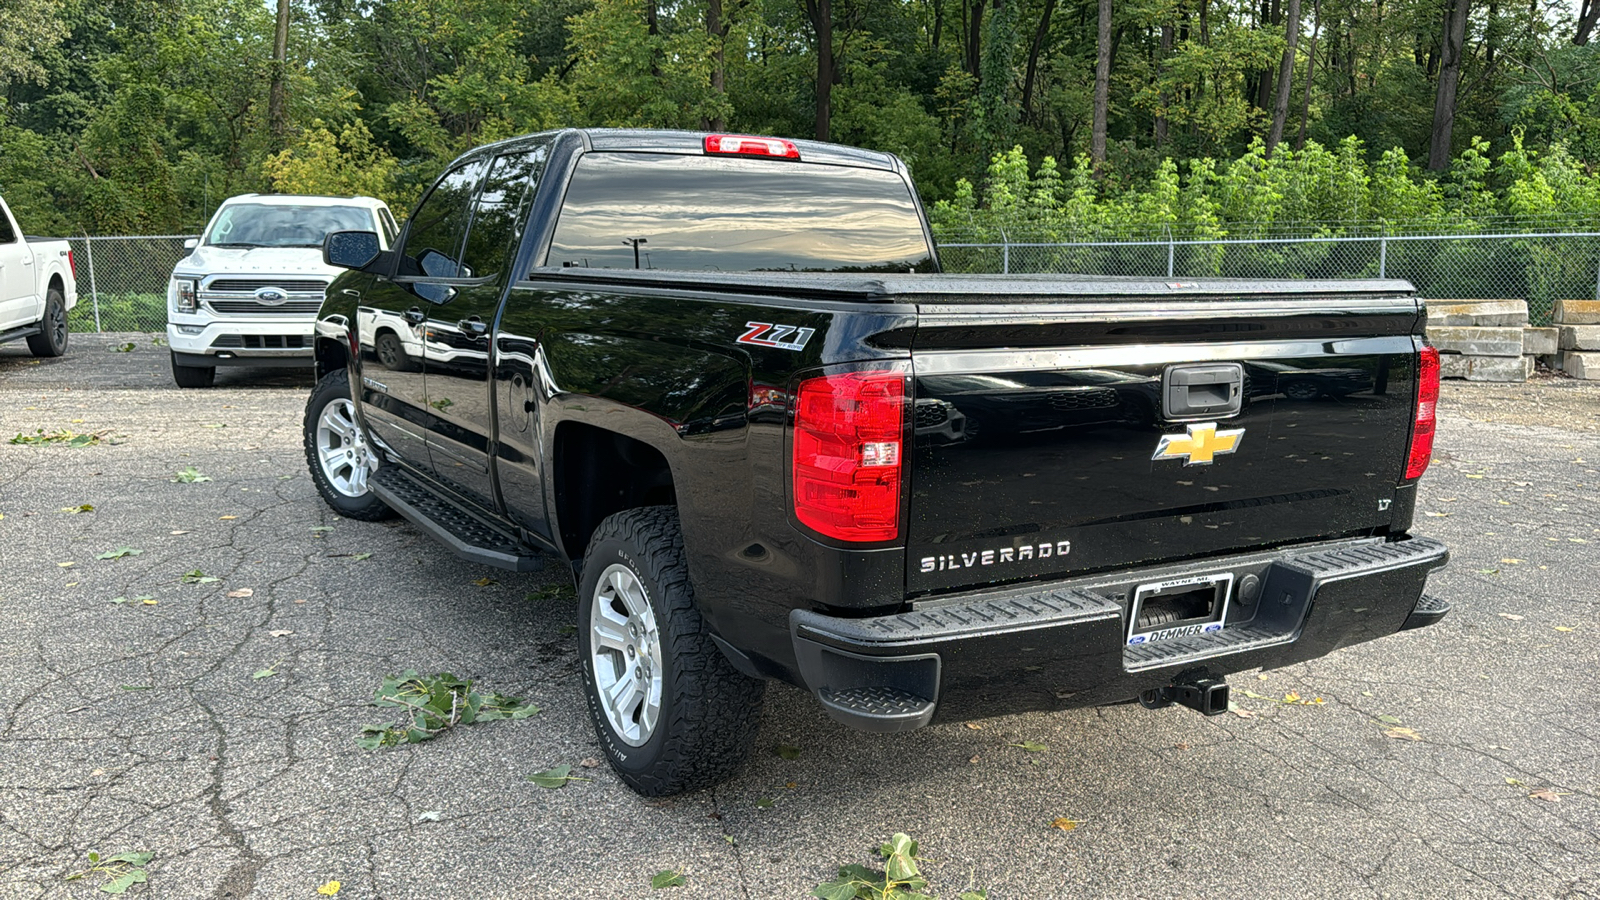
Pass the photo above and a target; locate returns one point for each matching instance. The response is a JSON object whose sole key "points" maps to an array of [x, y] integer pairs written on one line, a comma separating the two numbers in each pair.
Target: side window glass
{"points": [[6, 234], [433, 243], [501, 209]]}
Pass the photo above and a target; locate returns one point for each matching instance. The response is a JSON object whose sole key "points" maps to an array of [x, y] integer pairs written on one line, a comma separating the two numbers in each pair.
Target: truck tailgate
{"points": [[1056, 434]]}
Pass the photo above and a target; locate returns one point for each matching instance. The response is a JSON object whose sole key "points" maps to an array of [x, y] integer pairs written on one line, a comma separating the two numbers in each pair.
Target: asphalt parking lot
{"points": [[1462, 760]]}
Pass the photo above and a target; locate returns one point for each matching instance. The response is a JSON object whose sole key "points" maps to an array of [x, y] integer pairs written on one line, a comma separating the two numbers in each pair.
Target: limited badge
{"points": [[1199, 445]]}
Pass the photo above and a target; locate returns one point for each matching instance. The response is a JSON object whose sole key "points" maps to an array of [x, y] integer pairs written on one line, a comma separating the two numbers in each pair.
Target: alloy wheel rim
{"points": [[58, 323], [347, 460], [625, 655]]}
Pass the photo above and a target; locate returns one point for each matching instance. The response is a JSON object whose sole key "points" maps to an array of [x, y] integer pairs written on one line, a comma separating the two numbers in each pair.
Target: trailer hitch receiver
{"points": [[1201, 693]]}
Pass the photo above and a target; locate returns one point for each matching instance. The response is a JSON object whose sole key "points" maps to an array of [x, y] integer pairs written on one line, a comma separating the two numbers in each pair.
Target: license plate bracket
{"points": [[1179, 607]]}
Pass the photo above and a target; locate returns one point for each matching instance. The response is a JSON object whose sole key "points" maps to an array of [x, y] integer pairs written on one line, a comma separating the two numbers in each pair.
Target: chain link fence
{"points": [[122, 281], [1539, 268]]}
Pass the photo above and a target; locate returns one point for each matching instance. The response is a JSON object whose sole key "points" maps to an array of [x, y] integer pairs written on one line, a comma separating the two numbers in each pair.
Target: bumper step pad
{"points": [[1430, 609], [468, 536]]}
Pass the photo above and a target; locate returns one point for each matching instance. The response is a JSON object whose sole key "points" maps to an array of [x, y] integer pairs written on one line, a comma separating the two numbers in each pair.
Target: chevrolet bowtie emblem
{"points": [[1200, 445]]}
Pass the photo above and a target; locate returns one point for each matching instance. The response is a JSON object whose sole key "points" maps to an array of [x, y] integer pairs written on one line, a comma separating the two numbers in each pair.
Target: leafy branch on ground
{"points": [[434, 704], [121, 870], [190, 475], [70, 438], [899, 880]]}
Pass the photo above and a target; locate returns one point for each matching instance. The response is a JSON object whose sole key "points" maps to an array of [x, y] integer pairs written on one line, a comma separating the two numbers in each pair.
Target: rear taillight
{"points": [[1427, 413], [73, 265], [747, 145], [848, 435]]}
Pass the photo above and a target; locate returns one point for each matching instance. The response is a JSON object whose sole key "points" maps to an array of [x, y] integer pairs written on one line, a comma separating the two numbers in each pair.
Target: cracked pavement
{"points": [[140, 726]]}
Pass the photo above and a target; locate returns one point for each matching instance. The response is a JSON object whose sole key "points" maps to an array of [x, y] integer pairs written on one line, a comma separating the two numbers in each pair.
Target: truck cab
{"points": [[249, 290]]}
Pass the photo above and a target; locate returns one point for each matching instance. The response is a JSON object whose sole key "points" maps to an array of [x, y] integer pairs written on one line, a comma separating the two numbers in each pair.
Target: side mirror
{"points": [[190, 243], [350, 249]]}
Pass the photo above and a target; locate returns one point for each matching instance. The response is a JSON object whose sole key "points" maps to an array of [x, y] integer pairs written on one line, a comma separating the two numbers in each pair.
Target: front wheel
{"points": [[52, 337], [672, 714], [342, 460], [192, 376]]}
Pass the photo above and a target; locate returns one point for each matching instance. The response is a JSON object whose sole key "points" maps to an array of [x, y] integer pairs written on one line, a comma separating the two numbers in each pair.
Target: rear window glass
{"points": [[660, 211]]}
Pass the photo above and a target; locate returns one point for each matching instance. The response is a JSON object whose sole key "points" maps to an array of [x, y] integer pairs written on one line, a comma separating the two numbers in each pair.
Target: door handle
{"points": [[415, 315], [27, 260], [473, 324]]}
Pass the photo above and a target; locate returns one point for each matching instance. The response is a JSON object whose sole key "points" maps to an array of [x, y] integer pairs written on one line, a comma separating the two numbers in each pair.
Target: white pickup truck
{"points": [[248, 292], [37, 288]]}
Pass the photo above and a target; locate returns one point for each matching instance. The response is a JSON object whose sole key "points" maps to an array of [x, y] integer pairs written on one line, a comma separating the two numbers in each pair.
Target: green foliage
{"points": [[1316, 191], [340, 165], [131, 116], [434, 704]]}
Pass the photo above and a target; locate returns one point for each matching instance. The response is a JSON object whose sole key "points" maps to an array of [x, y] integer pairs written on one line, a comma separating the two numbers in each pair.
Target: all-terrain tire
{"points": [[192, 376], [52, 339], [709, 711], [338, 484]]}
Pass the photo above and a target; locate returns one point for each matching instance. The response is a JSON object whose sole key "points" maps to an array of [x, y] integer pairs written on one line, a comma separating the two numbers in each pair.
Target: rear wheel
{"points": [[672, 714], [192, 376], [341, 458], [52, 339]]}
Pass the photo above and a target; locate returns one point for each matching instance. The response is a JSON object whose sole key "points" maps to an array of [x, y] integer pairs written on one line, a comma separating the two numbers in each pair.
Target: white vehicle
{"points": [[249, 290], [37, 288]]}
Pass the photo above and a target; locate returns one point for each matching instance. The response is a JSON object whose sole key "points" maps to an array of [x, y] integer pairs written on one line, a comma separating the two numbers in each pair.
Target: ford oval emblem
{"points": [[271, 296]]}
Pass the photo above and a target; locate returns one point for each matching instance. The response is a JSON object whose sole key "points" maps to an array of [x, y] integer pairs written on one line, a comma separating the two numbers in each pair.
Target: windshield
{"points": [[283, 225]]}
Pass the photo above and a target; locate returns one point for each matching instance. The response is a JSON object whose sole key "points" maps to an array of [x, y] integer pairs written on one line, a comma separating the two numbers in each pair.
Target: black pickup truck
{"points": [[721, 378]]}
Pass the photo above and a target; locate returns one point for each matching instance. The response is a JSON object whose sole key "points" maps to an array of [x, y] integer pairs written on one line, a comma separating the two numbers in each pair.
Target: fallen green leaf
{"points": [[1032, 746], [666, 878], [556, 777], [787, 751], [119, 553]]}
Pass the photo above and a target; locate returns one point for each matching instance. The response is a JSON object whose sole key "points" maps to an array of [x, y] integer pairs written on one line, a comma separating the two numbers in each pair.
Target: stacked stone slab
{"points": [[1481, 340], [1578, 322]]}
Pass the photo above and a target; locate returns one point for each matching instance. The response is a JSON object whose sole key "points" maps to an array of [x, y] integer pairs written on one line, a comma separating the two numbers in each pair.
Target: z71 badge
{"points": [[783, 337]]}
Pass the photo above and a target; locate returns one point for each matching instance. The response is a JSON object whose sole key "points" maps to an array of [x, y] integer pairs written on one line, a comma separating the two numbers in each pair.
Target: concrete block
{"points": [[1580, 337], [1485, 368], [1477, 341], [1477, 312], [1540, 341], [1581, 365], [1576, 312]]}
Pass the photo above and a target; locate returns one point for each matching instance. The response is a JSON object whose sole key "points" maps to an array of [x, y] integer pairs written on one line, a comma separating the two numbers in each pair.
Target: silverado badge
{"points": [[1202, 442]]}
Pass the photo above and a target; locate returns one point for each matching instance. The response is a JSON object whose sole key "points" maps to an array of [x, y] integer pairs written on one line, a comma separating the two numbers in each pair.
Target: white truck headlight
{"points": [[185, 290]]}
